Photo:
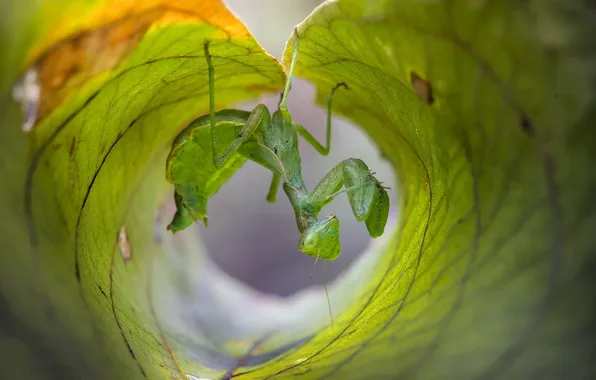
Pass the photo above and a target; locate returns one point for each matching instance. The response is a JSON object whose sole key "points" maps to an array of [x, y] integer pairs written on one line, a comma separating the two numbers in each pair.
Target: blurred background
{"points": [[254, 241]]}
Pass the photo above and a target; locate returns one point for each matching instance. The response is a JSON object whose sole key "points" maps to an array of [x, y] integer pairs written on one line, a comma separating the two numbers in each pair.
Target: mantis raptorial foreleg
{"points": [[368, 199], [259, 118]]}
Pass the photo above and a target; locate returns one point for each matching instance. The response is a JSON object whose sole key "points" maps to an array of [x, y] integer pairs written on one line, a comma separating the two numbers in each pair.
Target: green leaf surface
{"points": [[483, 108], [82, 188], [190, 167]]}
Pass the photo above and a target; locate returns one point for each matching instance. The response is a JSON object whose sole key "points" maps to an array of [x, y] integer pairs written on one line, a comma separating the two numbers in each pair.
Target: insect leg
{"points": [[259, 119], [368, 199], [211, 72], [275, 181], [260, 115], [329, 184], [283, 106], [327, 295], [323, 150], [346, 190], [263, 156]]}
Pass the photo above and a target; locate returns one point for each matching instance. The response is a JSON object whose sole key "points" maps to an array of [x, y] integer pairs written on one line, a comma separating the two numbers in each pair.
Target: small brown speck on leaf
{"points": [[422, 89], [527, 126], [102, 291], [66, 66], [73, 144]]}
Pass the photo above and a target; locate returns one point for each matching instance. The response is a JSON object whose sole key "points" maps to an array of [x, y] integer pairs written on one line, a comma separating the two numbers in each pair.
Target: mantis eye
{"points": [[322, 239], [309, 240]]}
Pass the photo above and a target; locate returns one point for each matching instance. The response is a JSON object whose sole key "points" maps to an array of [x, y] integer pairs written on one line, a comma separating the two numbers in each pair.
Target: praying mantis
{"points": [[198, 172]]}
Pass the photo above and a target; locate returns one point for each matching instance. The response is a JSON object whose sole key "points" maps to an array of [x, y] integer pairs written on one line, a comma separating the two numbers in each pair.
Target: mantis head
{"points": [[321, 239]]}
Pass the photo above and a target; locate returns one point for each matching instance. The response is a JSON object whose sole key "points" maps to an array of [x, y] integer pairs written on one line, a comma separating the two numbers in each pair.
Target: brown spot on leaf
{"points": [[422, 88], [68, 66], [89, 40], [73, 145], [526, 125], [102, 291]]}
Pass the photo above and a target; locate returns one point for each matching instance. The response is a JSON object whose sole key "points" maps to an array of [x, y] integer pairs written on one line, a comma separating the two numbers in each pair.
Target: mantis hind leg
{"points": [[259, 118], [323, 150], [283, 106], [211, 73]]}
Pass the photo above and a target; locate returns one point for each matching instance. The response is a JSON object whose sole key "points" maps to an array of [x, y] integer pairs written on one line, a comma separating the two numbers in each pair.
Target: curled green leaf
{"points": [[484, 109]]}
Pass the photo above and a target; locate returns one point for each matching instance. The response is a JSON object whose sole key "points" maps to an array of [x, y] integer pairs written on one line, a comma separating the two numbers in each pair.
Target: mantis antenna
{"points": [[312, 271]]}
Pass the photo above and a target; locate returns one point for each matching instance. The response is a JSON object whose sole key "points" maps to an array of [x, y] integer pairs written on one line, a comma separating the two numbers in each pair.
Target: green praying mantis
{"points": [[198, 171]]}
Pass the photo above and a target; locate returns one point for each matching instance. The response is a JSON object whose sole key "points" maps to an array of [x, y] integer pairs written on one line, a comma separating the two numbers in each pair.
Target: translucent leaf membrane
{"points": [[116, 82], [484, 110]]}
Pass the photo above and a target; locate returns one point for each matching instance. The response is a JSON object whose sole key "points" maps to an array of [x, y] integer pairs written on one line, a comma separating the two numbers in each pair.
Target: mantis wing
{"points": [[190, 168]]}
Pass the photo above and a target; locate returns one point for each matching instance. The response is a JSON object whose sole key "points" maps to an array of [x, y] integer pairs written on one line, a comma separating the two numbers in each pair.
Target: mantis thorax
{"points": [[283, 140]]}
